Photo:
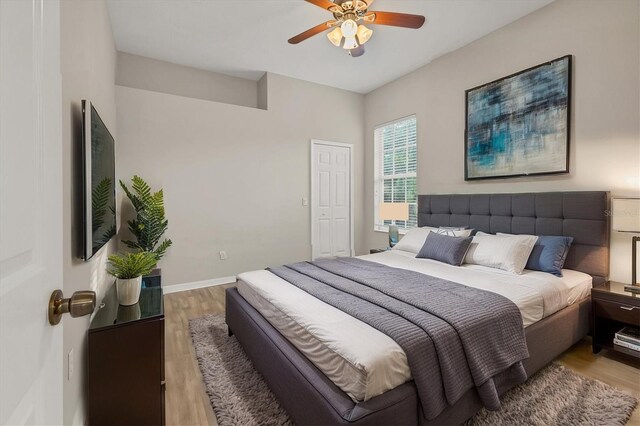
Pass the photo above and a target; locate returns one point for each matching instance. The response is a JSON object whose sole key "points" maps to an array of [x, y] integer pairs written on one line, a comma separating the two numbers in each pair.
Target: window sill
{"points": [[386, 230]]}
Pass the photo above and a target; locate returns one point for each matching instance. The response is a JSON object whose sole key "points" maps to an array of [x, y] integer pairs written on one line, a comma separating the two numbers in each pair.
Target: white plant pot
{"points": [[128, 290]]}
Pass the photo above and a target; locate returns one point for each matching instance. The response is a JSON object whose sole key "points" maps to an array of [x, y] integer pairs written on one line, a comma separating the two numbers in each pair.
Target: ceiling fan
{"points": [[347, 14]]}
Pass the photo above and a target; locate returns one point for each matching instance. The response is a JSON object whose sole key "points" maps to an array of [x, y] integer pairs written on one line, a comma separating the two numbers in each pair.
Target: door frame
{"points": [[313, 144]]}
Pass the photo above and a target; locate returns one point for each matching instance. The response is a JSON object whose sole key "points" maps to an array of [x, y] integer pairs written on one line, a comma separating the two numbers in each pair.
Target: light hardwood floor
{"points": [[188, 404]]}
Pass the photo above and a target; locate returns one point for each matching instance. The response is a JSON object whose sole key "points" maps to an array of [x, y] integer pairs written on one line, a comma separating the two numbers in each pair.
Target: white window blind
{"points": [[395, 159]]}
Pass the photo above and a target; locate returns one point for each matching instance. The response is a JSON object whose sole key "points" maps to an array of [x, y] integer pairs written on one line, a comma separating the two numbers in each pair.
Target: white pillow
{"points": [[509, 253], [453, 232], [414, 239]]}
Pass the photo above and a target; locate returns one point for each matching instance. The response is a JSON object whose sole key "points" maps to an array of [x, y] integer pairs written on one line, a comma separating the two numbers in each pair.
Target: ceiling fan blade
{"points": [[395, 19], [358, 51], [325, 4], [312, 31]]}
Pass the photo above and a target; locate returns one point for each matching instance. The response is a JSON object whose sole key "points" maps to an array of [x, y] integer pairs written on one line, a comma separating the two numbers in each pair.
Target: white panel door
{"points": [[30, 211], [331, 199]]}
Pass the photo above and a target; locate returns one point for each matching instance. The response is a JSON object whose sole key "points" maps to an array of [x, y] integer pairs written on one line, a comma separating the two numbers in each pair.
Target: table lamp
{"points": [[626, 218], [393, 211]]}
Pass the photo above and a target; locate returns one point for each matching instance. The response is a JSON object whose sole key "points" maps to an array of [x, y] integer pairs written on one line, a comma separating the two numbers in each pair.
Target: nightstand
{"points": [[125, 357], [378, 250], [613, 308]]}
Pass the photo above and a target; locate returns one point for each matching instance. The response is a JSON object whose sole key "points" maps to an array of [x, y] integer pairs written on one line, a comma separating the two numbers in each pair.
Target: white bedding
{"points": [[537, 294], [361, 360]]}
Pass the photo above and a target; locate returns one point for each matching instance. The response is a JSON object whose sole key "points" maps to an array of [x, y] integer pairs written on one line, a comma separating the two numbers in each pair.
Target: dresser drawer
{"points": [[618, 311]]}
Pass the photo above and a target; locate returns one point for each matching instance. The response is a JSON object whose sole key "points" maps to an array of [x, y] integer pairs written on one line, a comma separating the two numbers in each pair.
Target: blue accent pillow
{"points": [[445, 248], [549, 254]]}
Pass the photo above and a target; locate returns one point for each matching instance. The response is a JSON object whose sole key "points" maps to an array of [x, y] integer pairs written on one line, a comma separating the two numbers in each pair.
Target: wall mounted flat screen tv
{"points": [[99, 176]]}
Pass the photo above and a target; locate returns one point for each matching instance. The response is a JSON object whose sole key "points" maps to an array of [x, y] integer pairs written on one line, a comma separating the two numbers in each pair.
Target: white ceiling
{"points": [[245, 38]]}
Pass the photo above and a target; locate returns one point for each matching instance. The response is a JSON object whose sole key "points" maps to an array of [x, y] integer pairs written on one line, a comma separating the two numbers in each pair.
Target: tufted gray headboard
{"points": [[581, 215]]}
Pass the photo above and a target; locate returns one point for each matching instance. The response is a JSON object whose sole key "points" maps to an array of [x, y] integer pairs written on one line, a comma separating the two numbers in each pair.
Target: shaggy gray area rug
{"points": [[553, 396]]}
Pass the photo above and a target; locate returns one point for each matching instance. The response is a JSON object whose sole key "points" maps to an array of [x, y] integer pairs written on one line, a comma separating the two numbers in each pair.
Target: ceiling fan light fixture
{"points": [[350, 43], [347, 14], [335, 36], [364, 34], [349, 28]]}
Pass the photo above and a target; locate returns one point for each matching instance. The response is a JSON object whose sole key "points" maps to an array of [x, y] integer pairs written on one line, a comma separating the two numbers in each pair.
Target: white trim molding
{"points": [[198, 284]]}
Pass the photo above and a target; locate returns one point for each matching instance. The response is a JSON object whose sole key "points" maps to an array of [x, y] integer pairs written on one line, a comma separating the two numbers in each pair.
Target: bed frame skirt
{"points": [[310, 398]]}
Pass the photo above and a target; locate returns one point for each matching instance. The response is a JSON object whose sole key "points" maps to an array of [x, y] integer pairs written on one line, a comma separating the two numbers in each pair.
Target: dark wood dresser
{"points": [[126, 361], [612, 309]]}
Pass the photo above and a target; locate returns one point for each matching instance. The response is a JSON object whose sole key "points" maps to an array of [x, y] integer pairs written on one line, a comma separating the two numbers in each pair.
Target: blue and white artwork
{"points": [[519, 125]]}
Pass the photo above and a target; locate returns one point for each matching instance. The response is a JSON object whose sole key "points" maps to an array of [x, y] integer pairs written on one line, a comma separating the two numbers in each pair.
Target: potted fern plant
{"points": [[128, 270], [150, 223]]}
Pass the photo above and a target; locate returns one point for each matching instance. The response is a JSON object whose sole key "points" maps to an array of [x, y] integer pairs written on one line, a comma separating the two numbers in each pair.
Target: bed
{"points": [[310, 397]]}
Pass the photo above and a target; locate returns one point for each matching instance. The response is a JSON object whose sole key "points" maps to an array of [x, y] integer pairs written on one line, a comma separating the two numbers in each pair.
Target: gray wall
{"points": [[605, 137], [233, 176], [88, 61], [160, 76]]}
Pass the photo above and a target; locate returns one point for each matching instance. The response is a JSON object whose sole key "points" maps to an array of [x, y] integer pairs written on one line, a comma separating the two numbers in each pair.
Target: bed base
{"points": [[310, 398]]}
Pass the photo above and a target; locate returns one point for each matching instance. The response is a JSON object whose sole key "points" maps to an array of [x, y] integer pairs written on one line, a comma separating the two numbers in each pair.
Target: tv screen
{"points": [[99, 181]]}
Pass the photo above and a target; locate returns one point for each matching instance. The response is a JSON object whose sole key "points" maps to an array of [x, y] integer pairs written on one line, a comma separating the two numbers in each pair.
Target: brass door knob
{"points": [[81, 303]]}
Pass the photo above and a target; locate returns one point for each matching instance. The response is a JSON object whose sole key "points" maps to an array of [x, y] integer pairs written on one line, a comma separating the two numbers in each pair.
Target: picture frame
{"points": [[519, 125]]}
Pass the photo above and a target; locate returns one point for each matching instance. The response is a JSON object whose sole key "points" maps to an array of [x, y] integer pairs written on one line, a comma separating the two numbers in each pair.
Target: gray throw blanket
{"points": [[455, 337]]}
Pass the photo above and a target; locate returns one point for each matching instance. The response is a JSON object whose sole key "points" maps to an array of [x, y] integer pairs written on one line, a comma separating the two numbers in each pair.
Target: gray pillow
{"points": [[445, 248]]}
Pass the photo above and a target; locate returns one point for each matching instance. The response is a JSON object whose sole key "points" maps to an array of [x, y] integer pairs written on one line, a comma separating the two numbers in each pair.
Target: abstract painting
{"points": [[519, 125]]}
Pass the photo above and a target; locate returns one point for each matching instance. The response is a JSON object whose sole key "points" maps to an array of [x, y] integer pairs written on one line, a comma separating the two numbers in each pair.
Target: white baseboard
{"points": [[198, 284]]}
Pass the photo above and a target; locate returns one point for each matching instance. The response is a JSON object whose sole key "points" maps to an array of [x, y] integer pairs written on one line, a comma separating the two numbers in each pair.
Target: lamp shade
{"points": [[350, 43], [393, 211], [364, 34], [625, 212], [335, 36]]}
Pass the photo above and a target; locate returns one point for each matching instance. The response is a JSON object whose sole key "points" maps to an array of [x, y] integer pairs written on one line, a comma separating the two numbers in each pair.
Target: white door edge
{"points": [[31, 165]]}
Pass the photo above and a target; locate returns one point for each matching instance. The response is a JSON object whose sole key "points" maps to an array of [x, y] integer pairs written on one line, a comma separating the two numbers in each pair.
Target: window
{"points": [[395, 162]]}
